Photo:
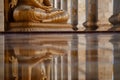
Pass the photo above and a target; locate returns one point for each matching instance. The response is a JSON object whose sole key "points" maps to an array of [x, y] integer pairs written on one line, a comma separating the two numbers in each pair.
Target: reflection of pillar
{"points": [[91, 57], [10, 65], [105, 57], [59, 68], [48, 67], [7, 65], [74, 58], [64, 67], [52, 69], [69, 61], [74, 13], [25, 71], [91, 14], [2, 44], [116, 44], [82, 57], [56, 69]]}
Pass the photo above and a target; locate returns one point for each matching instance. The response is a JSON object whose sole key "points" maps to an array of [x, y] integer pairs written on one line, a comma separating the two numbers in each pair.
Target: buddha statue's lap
{"points": [[40, 11]]}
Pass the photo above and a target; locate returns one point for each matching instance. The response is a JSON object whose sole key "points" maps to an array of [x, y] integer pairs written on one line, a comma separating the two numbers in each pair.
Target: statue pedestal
{"points": [[36, 27]]}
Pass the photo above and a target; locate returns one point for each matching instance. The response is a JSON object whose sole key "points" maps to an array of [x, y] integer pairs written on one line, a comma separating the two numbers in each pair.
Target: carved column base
{"points": [[75, 27], [90, 26], [31, 27], [115, 28], [115, 21]]}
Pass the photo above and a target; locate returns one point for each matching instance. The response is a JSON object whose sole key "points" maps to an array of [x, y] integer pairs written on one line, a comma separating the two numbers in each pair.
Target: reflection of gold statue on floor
{"points": [[37, 11]]}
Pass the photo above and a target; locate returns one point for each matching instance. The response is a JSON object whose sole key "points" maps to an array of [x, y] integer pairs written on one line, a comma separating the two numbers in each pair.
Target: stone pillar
{"points": [[116, 6], [2, 16], [91, 57], [58, 4], [74, 57], [55, 4], [91, 15], [69, 10], [81, 14], [115, 18], [64, 4], [116, 51], [74, 13], [105, 10]]}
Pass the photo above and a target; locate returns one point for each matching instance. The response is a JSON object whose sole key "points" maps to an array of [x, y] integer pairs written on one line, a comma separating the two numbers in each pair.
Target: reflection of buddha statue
{"points": [[37, 11]]}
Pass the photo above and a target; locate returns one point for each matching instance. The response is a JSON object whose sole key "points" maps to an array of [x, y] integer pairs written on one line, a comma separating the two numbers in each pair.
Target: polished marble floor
{"points": [[88, 56]]}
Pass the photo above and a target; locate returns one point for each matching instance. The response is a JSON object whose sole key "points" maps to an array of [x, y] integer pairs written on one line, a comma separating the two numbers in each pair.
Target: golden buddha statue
{"points": [[37, 11]]}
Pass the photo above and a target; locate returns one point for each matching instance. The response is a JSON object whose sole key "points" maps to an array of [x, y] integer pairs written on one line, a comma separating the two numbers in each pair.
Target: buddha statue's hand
{"points": [[46, 7], [49, 9], [13, 3]]}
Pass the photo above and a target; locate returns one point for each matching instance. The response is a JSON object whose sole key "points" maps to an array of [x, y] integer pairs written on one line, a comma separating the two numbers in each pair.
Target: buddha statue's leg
{"points": [[29, 14], [32, 14], [54, 13], [60, 18]]}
